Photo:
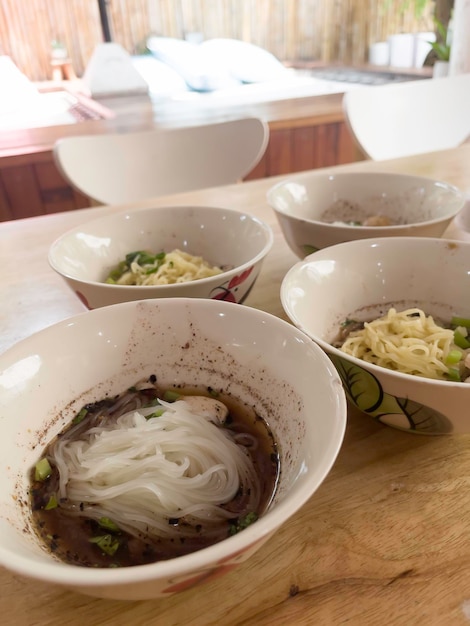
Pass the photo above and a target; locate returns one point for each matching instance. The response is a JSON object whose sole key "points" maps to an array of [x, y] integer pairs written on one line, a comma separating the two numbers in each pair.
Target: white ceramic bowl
{"points": [[462, 220], [425, 207], [223, 237], [256, 357], [362, 280]]}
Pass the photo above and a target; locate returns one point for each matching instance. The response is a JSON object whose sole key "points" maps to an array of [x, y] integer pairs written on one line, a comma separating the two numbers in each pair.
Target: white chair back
{"points": [[119, 168], [400, 119]]}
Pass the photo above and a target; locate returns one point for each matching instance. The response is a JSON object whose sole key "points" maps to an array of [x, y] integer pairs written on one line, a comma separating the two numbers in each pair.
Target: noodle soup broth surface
{"points": [[66, 530]]}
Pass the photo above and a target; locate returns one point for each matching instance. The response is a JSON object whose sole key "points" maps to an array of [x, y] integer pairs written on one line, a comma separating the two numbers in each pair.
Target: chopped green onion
{"points": [[42, 469], [146, 260], [80, 416], [153, 402], [52, 503], [347, 322], [108, 524], [454, 374], [243, 523], [461, 340], [171, 396], [116, 273], [157, 413], [131, 257], [453, 357], [107, 543], [460, 321]]}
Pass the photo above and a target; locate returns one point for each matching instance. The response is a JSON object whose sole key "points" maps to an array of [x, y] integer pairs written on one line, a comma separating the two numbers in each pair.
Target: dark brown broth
{"points": [[68, 537]]}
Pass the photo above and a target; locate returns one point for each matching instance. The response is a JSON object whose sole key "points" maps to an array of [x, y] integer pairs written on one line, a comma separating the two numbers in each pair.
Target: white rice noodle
{"points": [[143, 472]]}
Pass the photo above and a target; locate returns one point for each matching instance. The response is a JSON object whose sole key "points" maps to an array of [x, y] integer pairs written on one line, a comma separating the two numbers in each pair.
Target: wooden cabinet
{"points": [[31, 185], [306, 147]]}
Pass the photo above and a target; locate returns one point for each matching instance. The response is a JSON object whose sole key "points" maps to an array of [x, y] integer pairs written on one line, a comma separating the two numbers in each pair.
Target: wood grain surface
{"points": [[384, 541]]}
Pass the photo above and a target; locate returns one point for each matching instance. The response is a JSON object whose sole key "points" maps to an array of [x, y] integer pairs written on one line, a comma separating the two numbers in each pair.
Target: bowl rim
{"points": [[118, 215], [307, 176], [413, 242], [67, 575]]}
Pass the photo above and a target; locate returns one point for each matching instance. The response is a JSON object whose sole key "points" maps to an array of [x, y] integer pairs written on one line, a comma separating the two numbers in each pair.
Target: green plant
{"points": [[440, 46]]}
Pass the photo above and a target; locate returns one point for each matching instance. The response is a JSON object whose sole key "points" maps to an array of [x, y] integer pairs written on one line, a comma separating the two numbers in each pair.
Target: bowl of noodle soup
{"points": [[164, 252], [320, 209], [173, 436], [388, 312]]}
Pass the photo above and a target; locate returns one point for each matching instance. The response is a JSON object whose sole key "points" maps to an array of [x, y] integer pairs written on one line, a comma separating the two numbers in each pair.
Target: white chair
{"points": [[120, 168], [400, 119]]}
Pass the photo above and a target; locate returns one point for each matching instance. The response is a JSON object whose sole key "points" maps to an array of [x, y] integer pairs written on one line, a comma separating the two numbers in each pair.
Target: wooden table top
{"points": [[384, 540]]}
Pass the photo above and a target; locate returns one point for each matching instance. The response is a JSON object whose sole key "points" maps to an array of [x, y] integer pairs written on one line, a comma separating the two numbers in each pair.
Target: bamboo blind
{"points": [[320, 30]]}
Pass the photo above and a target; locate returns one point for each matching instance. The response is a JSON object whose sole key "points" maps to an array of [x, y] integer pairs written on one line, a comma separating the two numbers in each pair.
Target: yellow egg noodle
{"points": [[177, 267], [406, 341]]}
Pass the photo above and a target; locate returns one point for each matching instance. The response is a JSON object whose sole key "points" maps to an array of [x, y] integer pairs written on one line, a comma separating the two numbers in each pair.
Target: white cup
{"points": [[402, 50], [379, 53]]}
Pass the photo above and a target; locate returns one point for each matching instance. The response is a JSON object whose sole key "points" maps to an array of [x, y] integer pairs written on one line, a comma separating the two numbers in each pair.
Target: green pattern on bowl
{"points": [[366, 393]]}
